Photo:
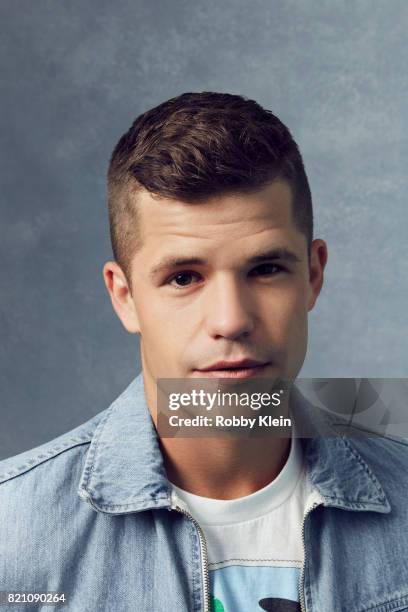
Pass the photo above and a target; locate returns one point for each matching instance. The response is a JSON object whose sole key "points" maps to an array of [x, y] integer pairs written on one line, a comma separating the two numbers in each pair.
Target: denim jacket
{"points": [[90, 515]]}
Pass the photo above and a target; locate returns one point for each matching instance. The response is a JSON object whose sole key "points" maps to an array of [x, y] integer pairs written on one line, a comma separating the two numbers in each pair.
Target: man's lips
{"points": [[245, 368]]}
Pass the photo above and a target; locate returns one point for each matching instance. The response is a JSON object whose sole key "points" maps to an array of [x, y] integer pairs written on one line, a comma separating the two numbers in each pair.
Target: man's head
{"points": [[216, 181]]}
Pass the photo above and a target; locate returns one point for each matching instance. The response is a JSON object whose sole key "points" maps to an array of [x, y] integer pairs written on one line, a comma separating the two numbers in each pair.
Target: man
{"points": [[215, 268]]}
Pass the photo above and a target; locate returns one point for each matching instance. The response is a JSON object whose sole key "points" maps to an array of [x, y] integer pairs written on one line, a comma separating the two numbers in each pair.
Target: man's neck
{"points": [[223, 468]]}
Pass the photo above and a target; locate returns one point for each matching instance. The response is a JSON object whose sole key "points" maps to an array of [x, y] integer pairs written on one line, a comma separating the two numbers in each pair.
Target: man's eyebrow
{"points": [[283, 254], [168, 263]]}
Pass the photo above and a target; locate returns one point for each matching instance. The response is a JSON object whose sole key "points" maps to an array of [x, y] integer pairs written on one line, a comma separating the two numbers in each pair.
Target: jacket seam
{"points": [[42, 458], [384, 606], [90, 463], [363, 464], [130, 505]]}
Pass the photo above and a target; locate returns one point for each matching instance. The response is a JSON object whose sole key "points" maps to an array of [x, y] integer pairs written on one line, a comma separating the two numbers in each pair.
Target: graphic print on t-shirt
{"points": [[254, 588], [279, 605]]}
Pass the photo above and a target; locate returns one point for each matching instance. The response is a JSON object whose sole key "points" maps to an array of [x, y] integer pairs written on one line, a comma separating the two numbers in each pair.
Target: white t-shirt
{"points": [[254, 543]]}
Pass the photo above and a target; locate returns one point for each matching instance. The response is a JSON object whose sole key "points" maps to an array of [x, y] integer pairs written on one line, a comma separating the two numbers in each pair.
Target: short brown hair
{"points": [[193, 147]]}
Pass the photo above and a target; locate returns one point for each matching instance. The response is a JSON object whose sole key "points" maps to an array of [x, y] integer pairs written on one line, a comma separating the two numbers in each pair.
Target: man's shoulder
{"points": [[42, 517], [60, 449], [376, 445]]}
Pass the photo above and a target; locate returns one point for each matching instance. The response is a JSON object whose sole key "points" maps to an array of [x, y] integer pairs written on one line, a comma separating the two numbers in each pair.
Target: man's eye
{"points": [[266, 269], [181, 279]]}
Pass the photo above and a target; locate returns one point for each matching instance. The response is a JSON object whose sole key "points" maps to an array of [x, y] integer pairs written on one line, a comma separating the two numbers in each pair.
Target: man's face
{"points": [[243, 291]]}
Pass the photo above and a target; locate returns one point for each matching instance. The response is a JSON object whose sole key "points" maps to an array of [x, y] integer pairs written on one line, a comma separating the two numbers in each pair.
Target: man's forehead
{"points": [[266, 208]]}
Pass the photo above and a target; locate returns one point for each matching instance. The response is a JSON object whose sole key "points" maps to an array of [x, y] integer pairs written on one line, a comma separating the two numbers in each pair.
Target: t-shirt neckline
{"points": [[208, 511]]}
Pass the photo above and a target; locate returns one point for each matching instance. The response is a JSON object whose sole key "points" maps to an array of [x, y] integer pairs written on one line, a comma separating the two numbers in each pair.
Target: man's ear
{"points": [[317, 264], [120, 296]]}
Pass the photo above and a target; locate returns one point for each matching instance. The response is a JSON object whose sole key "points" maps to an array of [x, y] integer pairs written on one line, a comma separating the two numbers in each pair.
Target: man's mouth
{"points": [[244, 368]]}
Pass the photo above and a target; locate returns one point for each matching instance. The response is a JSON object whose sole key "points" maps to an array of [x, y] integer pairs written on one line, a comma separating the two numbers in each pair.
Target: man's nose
{"points": [[228, 310]]}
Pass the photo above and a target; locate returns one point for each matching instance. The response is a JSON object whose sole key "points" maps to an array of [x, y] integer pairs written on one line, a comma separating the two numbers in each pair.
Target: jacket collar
{"points": [[124, 470]]}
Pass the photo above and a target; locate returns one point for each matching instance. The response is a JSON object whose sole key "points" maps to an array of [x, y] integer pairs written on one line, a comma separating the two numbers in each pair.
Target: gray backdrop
{"points": [[74, 76]]}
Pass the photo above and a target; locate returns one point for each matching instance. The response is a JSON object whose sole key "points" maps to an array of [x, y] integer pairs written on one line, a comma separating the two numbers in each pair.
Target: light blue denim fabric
{"points": [[89, 515]]}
